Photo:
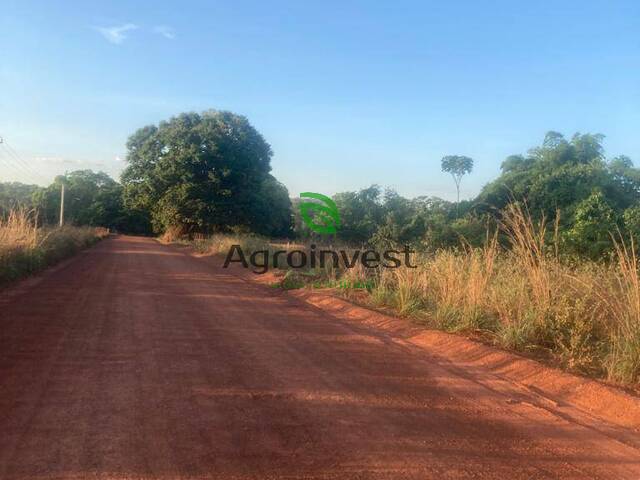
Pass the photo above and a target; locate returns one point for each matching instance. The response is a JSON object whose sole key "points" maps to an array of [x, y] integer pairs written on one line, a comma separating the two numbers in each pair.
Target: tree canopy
{"points": [[204, 173], [209, 172], [560, 174], [90, 199], [595, 198], [16, 195]]}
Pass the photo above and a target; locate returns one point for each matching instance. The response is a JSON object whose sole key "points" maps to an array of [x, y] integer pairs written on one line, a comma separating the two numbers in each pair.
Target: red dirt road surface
{"points": [[138, 361]]}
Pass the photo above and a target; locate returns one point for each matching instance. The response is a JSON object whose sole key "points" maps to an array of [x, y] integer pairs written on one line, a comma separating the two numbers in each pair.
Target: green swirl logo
{"points": [[326, 218]]}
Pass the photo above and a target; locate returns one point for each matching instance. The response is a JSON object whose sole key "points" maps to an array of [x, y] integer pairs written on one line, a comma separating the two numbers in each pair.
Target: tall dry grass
{"points": [[26, 247], [584, 316], [18, 230], [623, 305]]}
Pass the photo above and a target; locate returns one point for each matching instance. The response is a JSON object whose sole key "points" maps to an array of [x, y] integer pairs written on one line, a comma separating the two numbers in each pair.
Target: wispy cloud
{"points": [[116, 34], [52, 160], [165, 31]]}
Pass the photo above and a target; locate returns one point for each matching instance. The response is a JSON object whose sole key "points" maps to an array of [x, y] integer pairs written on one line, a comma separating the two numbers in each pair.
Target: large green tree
{"points": [[571, 176], [204, 173], [560, 174]]}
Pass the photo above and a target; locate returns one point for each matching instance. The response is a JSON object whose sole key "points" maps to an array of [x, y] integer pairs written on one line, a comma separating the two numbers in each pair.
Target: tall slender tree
{"points": [[457, 166]]}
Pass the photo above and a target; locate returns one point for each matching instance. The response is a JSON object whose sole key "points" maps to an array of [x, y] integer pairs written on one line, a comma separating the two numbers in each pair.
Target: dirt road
{"points": [[136, 360]]}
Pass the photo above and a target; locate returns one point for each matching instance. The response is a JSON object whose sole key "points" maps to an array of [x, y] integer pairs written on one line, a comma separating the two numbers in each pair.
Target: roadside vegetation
{"points": [[543, 260], [26, 248], [585, 316], [522, 295]]}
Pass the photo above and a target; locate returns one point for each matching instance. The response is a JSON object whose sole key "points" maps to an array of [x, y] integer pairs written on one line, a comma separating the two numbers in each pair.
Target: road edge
{"points": [[25, 284], [606, 402]]}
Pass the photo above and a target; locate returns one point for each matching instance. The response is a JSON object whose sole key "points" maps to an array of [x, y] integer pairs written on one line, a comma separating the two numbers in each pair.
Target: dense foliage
{"points": [[196, 173], [565, 180], [204, 173], [594, 197], [385, 218], [15, 195], [90, 199], [209, 172]]}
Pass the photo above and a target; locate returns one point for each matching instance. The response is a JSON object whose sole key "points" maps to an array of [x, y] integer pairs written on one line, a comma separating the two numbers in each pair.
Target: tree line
{"points": [[210, 172], [569, 184]]}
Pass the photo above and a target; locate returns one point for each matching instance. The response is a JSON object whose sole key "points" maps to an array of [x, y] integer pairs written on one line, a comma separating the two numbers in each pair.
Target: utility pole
{"points": [[62, 205]]}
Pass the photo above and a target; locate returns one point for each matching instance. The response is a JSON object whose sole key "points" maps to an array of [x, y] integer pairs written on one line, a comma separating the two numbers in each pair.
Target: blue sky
{"points": [[347, 93]]}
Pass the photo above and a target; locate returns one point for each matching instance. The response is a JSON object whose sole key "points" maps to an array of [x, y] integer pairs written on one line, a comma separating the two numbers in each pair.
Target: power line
{"points": [[14, 166], [26, 165], [21, 164], [15, 160]]}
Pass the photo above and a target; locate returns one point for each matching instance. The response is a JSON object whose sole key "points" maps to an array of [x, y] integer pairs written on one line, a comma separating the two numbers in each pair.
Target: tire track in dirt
{"points": [[137, 360]]}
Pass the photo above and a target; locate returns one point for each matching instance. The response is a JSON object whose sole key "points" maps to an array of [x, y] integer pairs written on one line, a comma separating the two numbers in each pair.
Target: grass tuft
{"points": [[26, 248]]}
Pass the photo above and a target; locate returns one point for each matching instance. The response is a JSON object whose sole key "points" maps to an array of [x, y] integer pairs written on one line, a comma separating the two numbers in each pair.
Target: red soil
{"points": [[136, 360]]}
